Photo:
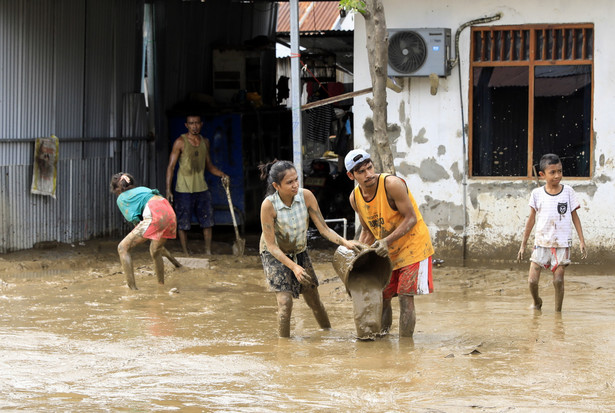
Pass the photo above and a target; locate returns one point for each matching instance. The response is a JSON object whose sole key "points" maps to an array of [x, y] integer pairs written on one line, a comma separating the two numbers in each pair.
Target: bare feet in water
{"points": [[537, 304]]}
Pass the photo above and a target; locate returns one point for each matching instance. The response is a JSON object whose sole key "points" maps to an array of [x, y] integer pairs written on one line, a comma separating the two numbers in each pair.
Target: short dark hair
{"points": [[548, 159]]}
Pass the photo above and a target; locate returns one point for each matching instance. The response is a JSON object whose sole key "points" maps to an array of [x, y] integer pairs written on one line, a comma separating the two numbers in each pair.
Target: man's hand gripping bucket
{"points": [[364, 274]]}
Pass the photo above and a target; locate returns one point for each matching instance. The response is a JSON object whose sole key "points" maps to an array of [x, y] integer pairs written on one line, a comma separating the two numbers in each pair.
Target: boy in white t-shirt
{"points": [[553, 208]]}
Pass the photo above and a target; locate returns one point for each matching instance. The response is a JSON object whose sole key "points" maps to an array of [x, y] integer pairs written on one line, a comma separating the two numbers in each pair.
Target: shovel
{"points": [[240, 244]]}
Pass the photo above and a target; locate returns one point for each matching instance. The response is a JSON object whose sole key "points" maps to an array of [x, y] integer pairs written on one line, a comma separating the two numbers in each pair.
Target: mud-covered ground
{"points": [[73, 337]]}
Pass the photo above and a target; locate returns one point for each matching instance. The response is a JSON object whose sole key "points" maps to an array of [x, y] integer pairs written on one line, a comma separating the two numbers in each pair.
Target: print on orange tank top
{"points": [[381, 219]]}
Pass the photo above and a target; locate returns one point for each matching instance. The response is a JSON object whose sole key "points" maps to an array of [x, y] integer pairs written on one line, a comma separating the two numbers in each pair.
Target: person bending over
{"points": [[154, 219]]}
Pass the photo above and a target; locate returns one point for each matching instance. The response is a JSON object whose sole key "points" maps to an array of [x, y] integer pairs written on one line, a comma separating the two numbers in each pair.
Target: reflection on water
{"points": [[88, 343]]}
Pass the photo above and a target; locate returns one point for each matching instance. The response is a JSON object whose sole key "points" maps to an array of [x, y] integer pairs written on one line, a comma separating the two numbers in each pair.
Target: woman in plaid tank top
{"points": [[285, 214]]}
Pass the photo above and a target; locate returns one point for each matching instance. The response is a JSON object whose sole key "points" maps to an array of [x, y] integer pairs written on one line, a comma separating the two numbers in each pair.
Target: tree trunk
{"points": [[377, 54]]}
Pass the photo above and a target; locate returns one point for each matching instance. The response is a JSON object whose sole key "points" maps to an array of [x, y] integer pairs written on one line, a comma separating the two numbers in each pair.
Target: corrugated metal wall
{"points": [[71, 68], [66, 68]]}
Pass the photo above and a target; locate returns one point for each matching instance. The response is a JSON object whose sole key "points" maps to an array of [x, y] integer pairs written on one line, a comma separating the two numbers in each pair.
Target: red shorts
{"points": [[162, 221], [413, 279]]}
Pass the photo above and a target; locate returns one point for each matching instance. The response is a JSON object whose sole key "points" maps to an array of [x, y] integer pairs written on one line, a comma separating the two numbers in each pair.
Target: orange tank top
{"points": [[381, 219]]}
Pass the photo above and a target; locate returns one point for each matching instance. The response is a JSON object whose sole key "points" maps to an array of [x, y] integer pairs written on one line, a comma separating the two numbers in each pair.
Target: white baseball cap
{"points": [[355, 157]]}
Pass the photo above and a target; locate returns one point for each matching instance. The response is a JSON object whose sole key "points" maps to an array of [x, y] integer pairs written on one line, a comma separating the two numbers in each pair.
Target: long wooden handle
{"points": [[230, 206]]}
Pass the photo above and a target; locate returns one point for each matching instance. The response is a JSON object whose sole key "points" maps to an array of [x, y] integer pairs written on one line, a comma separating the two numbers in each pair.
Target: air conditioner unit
{"points": [[419, 52]]}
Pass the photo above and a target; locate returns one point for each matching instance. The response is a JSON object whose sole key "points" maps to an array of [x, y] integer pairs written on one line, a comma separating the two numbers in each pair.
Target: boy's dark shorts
{"points": [[198, 203], [280, 278]]}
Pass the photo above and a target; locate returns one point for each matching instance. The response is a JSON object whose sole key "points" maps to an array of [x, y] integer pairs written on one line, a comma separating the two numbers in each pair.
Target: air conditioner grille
{"points": [[420, 51], [407, 52]]}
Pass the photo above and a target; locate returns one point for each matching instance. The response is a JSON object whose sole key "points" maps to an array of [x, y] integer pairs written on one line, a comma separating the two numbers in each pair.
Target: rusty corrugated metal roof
{"points": [[313, 15]]}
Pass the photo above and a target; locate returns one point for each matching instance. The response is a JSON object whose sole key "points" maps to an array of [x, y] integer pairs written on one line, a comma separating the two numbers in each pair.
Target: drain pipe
{"points": [[464, 182]]}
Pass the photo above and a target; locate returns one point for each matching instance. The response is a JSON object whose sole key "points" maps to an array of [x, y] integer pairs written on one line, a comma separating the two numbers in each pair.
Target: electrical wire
{"points": [[497, 16]]}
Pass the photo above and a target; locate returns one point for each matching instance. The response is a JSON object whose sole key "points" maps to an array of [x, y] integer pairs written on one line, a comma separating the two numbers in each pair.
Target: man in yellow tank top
{"points": [[191, 192], [393, 225]]}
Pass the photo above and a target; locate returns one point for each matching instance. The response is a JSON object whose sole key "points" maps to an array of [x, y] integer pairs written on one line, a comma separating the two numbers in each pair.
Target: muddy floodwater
{"points": [[73, 337]]}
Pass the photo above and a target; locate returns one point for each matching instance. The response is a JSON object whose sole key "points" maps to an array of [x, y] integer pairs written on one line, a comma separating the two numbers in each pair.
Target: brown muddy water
{"points": [[73, 337]]}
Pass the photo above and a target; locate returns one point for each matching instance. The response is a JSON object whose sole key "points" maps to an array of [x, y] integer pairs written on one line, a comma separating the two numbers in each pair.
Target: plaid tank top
{"points": [[290, 224]]}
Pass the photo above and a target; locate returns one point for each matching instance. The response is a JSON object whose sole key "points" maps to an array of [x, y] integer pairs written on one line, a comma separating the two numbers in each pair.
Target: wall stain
{"points": [[402, 111], [447, 245], [601, 179], [394, 132], [405, 169], [589, 189], [513, 190], [408, 134], [522, 189], [432, 171], [405, 122], [368, 129], [457, 174], [441, 150], [441, 213], [480, 249], [420, 138], [483, 225]]}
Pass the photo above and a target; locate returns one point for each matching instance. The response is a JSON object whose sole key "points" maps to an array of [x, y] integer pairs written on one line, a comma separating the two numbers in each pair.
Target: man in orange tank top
{"points": [[393, 225]]}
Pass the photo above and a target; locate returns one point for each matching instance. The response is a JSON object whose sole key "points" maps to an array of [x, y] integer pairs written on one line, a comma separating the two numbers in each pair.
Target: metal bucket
{"points": [[364, 274]]}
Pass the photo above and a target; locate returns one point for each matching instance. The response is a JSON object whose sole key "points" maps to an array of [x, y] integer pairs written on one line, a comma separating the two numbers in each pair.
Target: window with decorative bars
{"points": [[531, 94]]}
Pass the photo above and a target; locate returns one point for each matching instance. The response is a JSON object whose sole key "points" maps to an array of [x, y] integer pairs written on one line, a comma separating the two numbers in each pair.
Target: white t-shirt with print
{"points": [[554, 216]]}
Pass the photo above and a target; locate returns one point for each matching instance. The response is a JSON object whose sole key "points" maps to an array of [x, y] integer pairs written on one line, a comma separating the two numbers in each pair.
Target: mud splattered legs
{"points": [[312, 298], [131, 240], [558, 285], [407, 315], [285, 308]]}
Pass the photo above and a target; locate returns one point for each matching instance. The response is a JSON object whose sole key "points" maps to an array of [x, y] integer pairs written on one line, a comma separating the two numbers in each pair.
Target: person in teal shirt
{"points": [[154, 219]]}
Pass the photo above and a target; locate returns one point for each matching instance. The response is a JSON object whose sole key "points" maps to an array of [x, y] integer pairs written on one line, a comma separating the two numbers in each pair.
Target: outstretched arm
{"points": [[576, 221], [178, 146], [529, 224], [314, 210]]}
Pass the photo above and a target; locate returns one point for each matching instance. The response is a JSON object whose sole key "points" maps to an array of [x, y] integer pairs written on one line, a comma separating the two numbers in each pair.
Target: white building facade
{"points": [[536, 79]]}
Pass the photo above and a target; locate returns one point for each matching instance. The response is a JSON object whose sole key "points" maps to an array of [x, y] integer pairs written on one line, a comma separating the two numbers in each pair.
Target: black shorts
{"points": [[187, 204]]}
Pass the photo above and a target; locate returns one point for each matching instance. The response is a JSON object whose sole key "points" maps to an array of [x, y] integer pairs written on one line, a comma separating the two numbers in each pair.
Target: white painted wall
{"points": [[430, 131]]}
